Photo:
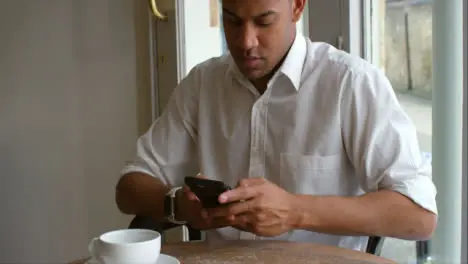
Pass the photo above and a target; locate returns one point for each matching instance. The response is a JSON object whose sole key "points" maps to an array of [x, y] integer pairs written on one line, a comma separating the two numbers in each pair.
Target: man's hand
{"points": [[191, 210], [258, 206]]}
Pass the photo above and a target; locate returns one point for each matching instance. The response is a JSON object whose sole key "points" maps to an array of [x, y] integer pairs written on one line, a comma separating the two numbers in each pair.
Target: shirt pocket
{"points": [[311, 174]]}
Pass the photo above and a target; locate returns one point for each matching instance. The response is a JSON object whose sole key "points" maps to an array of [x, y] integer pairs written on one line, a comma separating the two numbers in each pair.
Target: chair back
{"points": [[374, 245]]}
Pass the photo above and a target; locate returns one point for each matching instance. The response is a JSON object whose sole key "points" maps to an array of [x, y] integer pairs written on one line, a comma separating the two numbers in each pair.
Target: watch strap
{"points": [[170, 206]]}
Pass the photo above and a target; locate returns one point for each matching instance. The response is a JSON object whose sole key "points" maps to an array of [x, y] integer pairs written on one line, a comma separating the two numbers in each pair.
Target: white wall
{"points": [[68, 113]]}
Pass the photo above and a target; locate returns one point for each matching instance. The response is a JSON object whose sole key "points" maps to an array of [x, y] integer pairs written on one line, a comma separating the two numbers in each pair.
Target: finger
{"points": [[245, 190], [192, 197], [238, 194], [242, 222], [219, 212], [218, 222], [189, 194], [201, 176], [236, 209], [198, 218], [204, 214], [251, 182], [186, 190], [247, 207], [245, 228], [241, 219]]}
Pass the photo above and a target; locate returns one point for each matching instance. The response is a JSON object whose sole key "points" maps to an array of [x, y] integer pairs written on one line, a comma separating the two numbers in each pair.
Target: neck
{"points": [[262, 83]]}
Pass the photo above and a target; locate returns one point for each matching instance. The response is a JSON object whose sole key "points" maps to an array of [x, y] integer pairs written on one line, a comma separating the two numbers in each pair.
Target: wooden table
{"points": [[266, 252]]}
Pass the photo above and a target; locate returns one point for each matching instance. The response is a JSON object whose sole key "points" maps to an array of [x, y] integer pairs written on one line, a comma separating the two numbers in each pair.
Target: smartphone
{"points": [[207, 190]]}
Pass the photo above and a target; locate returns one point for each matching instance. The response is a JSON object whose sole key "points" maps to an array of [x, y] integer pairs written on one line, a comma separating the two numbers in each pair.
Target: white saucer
{"points": [[166, 259], [163, 259]]}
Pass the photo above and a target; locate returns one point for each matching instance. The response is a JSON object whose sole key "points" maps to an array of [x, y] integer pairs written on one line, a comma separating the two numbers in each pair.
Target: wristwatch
{"points": [[170, 206]]}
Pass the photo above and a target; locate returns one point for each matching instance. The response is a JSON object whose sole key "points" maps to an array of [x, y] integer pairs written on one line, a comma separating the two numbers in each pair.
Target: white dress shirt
{"points": [[327, 124]]}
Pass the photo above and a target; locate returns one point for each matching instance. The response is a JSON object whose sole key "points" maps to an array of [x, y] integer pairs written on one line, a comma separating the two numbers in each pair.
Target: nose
{"points": [[248, 38]]}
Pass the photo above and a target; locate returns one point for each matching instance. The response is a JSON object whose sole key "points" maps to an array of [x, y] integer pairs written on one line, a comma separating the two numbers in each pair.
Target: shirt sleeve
{"points": [[167, 150], [381, 140]]}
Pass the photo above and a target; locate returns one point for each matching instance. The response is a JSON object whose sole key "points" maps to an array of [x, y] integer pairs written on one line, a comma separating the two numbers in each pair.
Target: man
{"points": [[313, 138]]}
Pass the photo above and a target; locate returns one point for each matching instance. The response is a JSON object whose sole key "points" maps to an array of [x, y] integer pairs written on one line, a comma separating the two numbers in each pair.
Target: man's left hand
{"points": [[264, 208]]}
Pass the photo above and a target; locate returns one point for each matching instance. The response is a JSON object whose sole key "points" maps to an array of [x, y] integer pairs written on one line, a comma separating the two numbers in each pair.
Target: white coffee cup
{"points": [[129, 246]]}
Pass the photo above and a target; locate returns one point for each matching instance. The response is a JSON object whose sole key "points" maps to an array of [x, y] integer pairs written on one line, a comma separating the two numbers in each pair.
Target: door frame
{"points": [[145, 73], [167, 63], [159, 66]]}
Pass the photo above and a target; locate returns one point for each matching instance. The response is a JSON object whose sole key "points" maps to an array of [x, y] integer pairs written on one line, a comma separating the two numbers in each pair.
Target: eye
{"points": [[232, 21], [264, 22]]}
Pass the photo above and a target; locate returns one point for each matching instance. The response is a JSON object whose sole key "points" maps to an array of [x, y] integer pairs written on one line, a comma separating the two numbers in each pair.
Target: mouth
{"points": [[251, 62]]}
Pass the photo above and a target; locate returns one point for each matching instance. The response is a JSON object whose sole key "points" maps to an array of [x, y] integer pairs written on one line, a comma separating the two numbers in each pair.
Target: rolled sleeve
{"points": [[415, 184], [381, 140]]}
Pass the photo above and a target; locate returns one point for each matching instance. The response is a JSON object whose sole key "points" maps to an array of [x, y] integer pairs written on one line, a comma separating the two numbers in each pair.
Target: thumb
{"points": [[189, 194]]}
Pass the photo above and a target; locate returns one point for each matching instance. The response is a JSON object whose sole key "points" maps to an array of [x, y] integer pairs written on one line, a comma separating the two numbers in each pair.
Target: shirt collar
{"points": [[292, 64], [294, 61]]}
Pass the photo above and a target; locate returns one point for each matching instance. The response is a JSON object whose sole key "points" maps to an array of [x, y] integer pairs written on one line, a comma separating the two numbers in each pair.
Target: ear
{"points": [[297, 9]]}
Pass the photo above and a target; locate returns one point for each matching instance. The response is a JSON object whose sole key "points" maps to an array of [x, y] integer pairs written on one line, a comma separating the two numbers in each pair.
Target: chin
{"points": [[254, 74]]}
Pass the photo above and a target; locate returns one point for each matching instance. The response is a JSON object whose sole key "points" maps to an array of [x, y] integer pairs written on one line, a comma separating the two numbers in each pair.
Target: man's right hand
{"points": [[190, 209]]}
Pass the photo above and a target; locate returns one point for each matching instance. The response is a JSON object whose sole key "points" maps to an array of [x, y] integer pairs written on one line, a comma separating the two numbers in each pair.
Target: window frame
{"points": [[464, 249]]}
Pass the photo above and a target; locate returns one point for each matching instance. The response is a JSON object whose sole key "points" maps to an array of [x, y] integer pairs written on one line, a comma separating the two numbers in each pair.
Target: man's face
{"points": [[260, 32]]}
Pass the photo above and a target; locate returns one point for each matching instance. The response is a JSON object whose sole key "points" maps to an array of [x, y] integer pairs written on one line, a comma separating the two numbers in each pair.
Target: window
{"points": [[401, 45], [398, 37]]}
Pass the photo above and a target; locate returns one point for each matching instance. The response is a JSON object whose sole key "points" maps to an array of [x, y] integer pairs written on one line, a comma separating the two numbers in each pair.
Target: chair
{"points": [[422, 252], [374, 245]]}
